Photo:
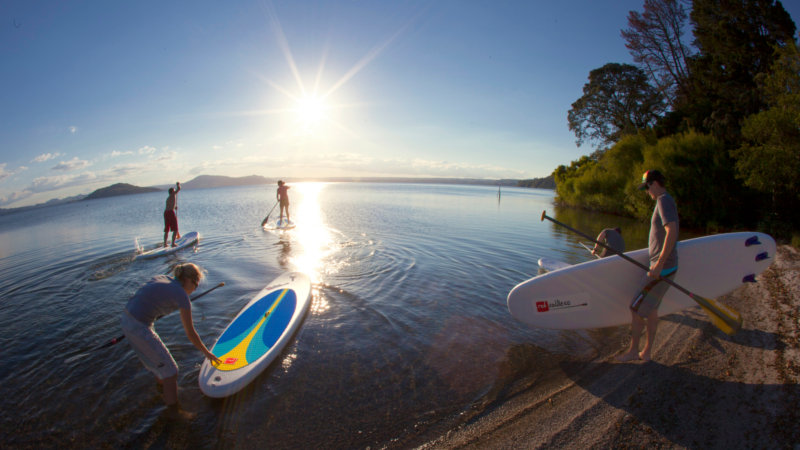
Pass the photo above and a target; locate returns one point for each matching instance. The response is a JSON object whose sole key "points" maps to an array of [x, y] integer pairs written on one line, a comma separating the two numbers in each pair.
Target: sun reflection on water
{"points": [[314, 238]]}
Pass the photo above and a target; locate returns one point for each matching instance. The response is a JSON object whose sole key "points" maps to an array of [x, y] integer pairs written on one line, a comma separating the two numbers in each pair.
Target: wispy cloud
{"points": [[14, 197], [147, 150], [45, 157], [3, 172], [44, 184], [117, 153], [167, 156], [7, 173], [72, 164], [123, 170]]}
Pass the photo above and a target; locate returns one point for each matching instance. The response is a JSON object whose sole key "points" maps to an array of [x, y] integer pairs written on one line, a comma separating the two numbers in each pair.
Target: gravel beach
{"points": [[703, 389]]}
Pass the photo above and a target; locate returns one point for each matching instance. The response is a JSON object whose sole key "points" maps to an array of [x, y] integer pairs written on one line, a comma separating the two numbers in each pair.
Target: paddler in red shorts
{"points": [[170, 217]]}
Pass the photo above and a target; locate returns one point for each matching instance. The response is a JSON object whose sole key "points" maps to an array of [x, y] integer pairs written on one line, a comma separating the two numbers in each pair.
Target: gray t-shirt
{"points": [[613, 240], [158, 297], [665, 212]]}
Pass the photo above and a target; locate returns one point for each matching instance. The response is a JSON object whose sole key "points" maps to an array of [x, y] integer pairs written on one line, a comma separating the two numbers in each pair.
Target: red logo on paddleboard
{"points": [[542, 307], [231, 360]]}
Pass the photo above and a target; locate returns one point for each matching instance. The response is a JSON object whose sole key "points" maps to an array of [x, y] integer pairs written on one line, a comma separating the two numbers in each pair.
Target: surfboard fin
{"points": [[762, 256], [749, 278], [752, 241]]}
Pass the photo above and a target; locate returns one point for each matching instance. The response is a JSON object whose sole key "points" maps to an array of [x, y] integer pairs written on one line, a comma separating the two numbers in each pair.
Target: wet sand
{"points": [[702, 389]]}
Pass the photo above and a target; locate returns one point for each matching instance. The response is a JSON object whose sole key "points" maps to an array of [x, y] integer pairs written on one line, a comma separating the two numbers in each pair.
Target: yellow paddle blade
{"points": [[722, 317]]}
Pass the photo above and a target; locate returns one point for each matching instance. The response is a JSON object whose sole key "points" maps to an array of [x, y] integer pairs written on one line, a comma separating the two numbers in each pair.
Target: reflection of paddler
{"points": [[159, 297], [283, 199]]}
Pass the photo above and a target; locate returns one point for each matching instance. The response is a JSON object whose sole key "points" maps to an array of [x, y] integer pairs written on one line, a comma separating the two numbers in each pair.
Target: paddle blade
{"points": [[721, 316]]}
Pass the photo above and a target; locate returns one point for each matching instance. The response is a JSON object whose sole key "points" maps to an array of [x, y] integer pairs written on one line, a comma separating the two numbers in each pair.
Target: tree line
{"points": [[719, 116]]}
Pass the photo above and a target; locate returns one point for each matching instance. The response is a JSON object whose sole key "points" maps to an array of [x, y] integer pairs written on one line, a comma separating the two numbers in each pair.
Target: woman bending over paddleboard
{"points": [[159, 297], [283, 198]]}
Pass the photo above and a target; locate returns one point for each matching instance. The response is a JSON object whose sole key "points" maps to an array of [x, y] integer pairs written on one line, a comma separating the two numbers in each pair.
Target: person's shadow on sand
{"points": [[690, 409], [764, 340]]}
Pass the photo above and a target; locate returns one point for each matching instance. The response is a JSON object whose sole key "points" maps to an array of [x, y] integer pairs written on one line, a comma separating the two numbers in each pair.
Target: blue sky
{"points": [[97, 92]]}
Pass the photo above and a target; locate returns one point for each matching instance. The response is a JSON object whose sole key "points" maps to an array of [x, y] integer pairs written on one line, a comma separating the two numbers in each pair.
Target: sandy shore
{"points": [[703, 389]]}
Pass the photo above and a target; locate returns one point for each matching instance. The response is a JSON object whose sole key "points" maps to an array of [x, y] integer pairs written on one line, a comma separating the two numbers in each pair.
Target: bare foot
{"points": [[629, 356], [644, 355], [174, 412]]}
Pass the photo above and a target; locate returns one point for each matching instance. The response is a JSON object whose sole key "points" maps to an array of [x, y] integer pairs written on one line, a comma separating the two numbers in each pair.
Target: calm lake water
{"points": [[408, 334]]}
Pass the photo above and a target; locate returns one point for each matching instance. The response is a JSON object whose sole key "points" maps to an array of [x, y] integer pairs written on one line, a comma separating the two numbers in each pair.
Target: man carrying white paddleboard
{"points": [[612, 237], [664, 226], [170, 216]]}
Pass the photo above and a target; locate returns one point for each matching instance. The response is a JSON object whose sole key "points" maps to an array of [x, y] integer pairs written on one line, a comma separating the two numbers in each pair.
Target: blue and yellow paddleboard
{"points": [[257, 335]]}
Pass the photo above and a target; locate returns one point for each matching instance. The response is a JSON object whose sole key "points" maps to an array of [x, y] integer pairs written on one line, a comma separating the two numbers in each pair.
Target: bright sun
{"points": [[310, 111]]}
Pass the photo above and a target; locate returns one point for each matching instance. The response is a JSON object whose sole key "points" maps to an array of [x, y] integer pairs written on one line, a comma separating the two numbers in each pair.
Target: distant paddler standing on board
{"points": [[170, 216], [664, 227], [612, 237], [283, 199]]}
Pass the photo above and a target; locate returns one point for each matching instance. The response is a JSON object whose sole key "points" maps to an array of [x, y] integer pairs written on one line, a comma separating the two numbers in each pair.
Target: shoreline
{"points": [[702, 389]]}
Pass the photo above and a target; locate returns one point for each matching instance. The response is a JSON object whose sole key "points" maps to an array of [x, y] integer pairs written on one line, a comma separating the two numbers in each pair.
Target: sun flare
{"points": [[310, 111]]}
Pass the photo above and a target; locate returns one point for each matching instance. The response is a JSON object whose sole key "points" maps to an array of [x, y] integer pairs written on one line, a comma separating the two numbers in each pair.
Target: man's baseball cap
{"points": [[650, 176]]}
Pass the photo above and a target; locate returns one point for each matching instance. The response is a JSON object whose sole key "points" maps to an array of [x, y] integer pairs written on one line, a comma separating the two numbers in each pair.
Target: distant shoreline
{"points": [[218, 181]]}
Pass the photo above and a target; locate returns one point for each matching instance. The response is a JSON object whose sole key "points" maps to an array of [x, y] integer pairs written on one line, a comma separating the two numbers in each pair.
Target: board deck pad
{"points": [[257, 335], [254, 332], [597, 293]]}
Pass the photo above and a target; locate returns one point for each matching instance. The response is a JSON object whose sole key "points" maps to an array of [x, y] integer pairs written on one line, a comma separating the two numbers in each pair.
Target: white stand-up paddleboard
{"points": [[257, 335], [551, 265], [284, 224], [280, 224], [598, 293], [184, 241]]}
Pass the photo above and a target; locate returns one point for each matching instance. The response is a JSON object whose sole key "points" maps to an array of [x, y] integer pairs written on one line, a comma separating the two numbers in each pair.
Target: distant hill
{"points": [[119, 189], [53, 202], [539, 183], [215, 181]]}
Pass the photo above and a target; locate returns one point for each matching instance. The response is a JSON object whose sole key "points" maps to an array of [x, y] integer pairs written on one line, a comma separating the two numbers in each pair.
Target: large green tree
{"points": [[769, 158], [617, 100], [735, 40]]}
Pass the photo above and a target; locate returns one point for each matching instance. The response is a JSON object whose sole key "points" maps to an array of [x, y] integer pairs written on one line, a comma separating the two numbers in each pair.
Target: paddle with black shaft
{"points": [[723, 317], [270, 212], [119, 338]]}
